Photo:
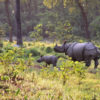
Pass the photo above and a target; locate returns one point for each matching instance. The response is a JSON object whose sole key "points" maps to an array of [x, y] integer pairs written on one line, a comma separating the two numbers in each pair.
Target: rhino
{"points": [[50, 59], [80, 52]]}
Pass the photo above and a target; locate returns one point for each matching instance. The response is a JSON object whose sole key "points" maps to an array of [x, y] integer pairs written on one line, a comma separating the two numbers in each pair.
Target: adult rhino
{"points": [[80, 52]]}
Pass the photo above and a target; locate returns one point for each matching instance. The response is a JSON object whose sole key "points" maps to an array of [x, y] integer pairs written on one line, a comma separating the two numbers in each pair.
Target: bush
{"points": [[49, 50], [32, 51], [70, 67]]}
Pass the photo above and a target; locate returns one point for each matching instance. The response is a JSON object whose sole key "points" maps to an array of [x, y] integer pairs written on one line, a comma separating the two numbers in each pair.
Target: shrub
{"points": [[37, 33], [70, 67], [32, 51], [49, 50], [12, 69]]}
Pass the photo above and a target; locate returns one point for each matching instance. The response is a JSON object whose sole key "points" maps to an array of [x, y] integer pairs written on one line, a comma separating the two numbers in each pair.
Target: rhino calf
{"points": [[48, 60]]}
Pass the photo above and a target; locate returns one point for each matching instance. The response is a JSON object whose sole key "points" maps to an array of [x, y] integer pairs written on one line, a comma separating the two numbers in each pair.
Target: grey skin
{"points": [[48, 60], [80, 52]]}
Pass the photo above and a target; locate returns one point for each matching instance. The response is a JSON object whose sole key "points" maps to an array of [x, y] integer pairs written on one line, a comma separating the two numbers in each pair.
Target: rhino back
{"points": [[91, 50], [75, 50], [80, 51], [90, 46], [50, 59]]}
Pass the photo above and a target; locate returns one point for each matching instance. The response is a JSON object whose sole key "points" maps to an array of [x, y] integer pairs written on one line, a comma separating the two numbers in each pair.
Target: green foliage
{"points": [[8, 47], [48, 73], [50, 3], [36, 17], [69, 68], [80, 70], [30, 60], [37, 33], [11, 69], [4, 78], [49, 50], [42, 48], [95, 27], [52, 30], [18, 91], [32, 51], [62, 29]]}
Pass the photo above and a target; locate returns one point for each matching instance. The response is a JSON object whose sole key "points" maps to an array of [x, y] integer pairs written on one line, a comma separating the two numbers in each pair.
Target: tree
{"points": [[35, 6], [18, 23], [9, 19], [84, 15], [53, 3]]}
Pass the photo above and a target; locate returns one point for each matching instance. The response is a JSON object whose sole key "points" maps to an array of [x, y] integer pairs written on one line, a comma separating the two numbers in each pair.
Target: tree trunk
{"points": [[9, 20], [35, 6], [18, 23], [84, 15]]}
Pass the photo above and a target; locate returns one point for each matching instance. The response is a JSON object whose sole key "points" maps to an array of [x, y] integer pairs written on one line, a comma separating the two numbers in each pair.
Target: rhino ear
{"points": [[41, 55], [65, 42]]}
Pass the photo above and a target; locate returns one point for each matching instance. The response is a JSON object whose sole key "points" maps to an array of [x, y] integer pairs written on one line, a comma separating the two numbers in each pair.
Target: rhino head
{"points": [[60, 49], [40, 59]]}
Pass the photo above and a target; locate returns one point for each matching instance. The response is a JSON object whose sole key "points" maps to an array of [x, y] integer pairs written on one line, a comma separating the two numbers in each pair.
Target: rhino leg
{"points": [[88, 63], [96, 63], [74, 59], [46, 65], [54, 64]]}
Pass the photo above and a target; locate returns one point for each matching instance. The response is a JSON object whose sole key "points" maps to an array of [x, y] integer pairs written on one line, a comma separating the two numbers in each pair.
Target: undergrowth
{"points": [[22, 78]]}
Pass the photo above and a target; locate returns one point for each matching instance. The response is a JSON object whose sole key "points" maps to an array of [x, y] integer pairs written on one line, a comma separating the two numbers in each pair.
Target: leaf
{"points": [[18, 91]]}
